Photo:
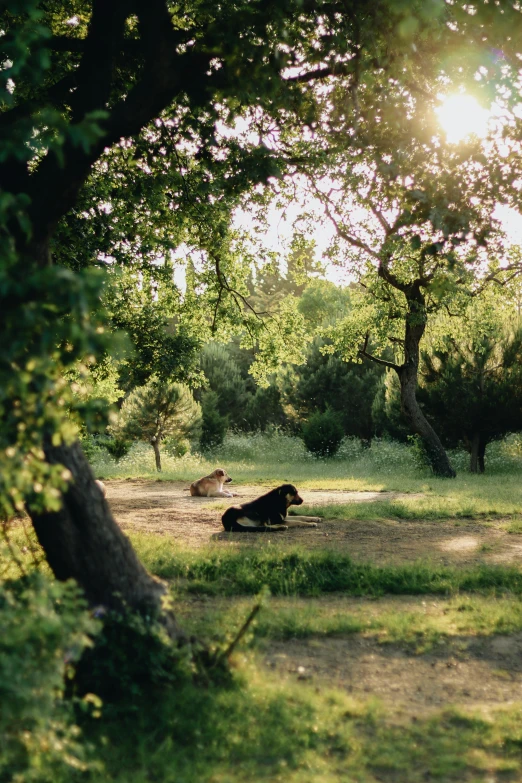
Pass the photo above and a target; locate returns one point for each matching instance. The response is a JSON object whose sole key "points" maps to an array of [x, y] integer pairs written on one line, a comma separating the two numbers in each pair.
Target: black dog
{"points": [[265, 513]]}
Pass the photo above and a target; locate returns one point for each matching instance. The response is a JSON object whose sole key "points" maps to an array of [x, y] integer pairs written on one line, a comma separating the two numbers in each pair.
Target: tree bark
{"points": [[477, 453], [155, 445], [481, 455], [474, 448], [408, 375], [83, 542]]}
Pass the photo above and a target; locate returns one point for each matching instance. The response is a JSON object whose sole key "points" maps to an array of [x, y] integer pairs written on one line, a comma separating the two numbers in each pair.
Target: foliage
{"points": [[323, 433], [386, 409], [322, 303], [48, 338], [214, 426], [244, 404], [94, 446], [326, 381], [133, 654], [45, 629], [472, 385], [158, 410], [146, 305]]}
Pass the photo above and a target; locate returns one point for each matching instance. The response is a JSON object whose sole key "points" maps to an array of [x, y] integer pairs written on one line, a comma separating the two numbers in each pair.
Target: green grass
{"points": [[271, 460], [310, 573], [417, 625], [258, 457], [263, 731]]}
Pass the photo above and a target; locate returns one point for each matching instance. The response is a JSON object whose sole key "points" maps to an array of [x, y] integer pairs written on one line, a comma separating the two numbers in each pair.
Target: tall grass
{"points": [[275, 457]]}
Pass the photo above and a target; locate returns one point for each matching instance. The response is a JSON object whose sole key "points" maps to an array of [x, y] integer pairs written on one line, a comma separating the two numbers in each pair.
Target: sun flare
{"points": [[461, 116]]}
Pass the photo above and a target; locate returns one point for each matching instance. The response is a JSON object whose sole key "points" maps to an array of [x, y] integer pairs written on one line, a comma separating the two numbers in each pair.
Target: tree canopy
{"points": [[132, 128]]}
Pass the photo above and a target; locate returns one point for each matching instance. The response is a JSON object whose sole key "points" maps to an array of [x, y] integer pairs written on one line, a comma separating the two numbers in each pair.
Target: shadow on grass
{"points": [[264, 732]]}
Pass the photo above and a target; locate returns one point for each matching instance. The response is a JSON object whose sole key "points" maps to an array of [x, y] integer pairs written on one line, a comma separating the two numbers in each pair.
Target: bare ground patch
{"points": [[468, 672], [166, 508], [465, 671]]}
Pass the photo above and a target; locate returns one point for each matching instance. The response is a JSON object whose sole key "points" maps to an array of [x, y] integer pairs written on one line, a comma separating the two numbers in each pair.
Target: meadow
{"points": [[352, 670]]}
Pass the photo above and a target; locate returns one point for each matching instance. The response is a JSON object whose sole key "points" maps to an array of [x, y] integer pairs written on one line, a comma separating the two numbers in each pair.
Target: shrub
{"points": [[45, 628], [118, 447], [94, 447], [323, 433]]}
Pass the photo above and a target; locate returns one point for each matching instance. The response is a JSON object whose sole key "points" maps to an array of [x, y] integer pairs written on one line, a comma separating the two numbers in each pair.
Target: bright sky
{"points": [[459, 115]]}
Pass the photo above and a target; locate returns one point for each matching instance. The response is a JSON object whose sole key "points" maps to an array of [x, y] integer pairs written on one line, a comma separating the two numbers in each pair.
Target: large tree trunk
{"points": [[435, 451], [408, 375], [83, 542]]}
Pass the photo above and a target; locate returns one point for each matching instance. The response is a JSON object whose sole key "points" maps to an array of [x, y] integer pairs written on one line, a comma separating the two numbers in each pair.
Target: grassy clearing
{"points": [[270, 459]]}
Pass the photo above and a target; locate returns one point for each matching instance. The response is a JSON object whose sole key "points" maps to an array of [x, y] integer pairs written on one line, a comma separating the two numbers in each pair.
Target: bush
{"points": [[118, 447], [94, 447], [45, 628], [323, 433], [132, 655], [176, 447]]}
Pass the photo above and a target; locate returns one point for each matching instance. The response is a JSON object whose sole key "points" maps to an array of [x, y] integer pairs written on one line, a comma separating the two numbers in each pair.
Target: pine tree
{"points": [[157, 410]]}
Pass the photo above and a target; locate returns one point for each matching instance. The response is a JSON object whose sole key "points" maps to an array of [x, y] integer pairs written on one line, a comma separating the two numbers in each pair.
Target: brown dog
{"points": [[211, 486], [267, 513]]}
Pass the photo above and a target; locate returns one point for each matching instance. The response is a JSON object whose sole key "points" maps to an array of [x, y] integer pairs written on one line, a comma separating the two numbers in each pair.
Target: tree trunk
{"points": [[477, 453], [83, 542], [408, 374], [474, 450], [155, 445], [481, 455]]}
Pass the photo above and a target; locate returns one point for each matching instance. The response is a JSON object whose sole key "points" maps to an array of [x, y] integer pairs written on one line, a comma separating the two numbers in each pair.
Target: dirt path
{"points": [[166, 508], [468, 671], [476, 672]]}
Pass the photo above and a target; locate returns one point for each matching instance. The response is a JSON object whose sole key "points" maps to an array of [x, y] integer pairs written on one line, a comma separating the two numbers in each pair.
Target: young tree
{"points": [[157, 411], [471, 385]]}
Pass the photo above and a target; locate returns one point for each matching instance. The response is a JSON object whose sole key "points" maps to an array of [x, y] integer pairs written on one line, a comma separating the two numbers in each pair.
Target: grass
{"points": [[269, 727], [310, 573], [236, 735], [270, 460], [419, 626], [264, 457]]}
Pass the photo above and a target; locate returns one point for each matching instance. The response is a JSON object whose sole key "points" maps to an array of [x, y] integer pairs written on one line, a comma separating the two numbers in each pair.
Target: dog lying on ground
{"points": [[211, 486], [267, 513]]}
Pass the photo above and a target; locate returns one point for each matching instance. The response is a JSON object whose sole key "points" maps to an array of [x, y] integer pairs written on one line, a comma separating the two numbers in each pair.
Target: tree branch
{"points": [[363, 352], [337, 69], [377, 360]]}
